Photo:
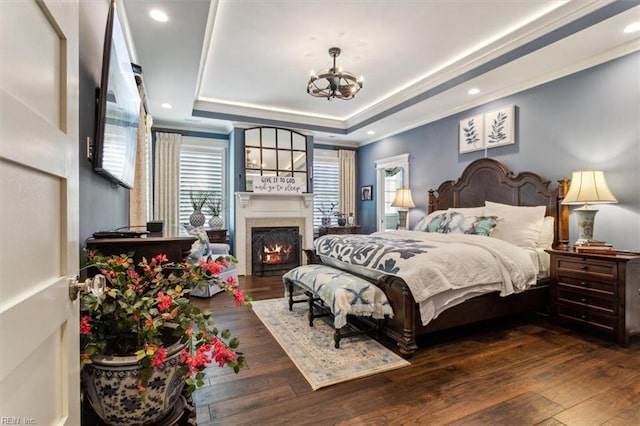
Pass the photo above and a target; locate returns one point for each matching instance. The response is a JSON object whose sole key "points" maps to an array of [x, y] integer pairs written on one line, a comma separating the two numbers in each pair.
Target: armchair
{"points": [[202, 247]]}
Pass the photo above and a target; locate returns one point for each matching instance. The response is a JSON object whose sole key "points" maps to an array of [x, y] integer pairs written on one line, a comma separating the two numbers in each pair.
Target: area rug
{"points": [[312, 349]]}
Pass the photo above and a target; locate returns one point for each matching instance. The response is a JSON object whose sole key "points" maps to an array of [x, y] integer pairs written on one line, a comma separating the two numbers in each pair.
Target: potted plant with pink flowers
{"points": [[143, 343]]}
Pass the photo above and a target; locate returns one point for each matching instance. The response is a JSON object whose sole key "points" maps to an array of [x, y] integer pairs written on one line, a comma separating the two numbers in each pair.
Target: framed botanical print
{"points": [[499, 127], [472, 134]]}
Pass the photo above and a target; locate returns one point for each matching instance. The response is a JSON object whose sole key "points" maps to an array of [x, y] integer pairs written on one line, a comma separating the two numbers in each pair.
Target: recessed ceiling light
{"points": [[632, 28], [473, 91], [159, 15], [166, 105], [371, 132]]}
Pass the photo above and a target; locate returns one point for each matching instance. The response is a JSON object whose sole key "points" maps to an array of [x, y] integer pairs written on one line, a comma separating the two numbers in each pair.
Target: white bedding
{"points": [[540, 260], [544, 262], [441, 270]]}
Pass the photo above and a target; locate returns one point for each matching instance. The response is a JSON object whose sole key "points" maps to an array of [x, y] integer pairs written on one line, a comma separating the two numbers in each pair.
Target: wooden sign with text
{"points": [[277, 185]]}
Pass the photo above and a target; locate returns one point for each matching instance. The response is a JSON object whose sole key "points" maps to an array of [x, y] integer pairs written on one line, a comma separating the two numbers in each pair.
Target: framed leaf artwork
{"points": [[499, 127], [471, 134]]}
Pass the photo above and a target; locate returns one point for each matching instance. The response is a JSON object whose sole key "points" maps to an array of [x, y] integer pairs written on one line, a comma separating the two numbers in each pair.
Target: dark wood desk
{"points": [[176, 247]]}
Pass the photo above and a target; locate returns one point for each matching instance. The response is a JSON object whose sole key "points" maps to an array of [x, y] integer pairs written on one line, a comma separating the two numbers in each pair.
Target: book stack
{"points": [[595, 247]]}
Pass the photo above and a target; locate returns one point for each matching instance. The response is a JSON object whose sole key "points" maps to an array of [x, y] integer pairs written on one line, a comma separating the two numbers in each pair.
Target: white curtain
{"points": [[139, 194], [347, 161], [167, 179], [149, 170]]}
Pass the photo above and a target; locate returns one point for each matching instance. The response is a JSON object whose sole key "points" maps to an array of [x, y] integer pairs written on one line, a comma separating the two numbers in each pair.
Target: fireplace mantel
{"points": [[266, 209], [245, 198]]}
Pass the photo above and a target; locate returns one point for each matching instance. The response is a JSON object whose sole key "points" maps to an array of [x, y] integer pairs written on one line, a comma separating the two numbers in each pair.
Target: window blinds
{"points": [[202, 167], [326, 184]]}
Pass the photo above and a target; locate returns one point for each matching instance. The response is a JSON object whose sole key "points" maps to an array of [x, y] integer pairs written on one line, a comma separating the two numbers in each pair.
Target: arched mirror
{"points": [[391, 174], [271, 151]]}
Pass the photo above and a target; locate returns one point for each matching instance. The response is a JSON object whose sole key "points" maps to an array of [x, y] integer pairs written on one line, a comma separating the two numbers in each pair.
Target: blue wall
{"points": [[590, 119], [103, 205]]}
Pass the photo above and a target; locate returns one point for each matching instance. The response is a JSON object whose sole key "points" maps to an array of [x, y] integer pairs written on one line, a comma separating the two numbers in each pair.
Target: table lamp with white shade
{"points": [[587, 187], [404, 202]]}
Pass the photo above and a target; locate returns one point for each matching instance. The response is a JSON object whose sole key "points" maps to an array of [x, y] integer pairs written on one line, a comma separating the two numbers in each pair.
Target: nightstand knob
{"points": [[583, 283], [584, 317], [583, 300], [584, 267]]}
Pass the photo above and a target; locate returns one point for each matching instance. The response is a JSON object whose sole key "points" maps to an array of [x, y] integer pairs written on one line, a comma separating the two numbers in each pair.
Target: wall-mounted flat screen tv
{"points": [[114, 153]]}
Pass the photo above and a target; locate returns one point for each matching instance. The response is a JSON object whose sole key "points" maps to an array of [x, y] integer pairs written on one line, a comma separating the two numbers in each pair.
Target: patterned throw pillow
{"points": [[458, 223], [432, 222]]}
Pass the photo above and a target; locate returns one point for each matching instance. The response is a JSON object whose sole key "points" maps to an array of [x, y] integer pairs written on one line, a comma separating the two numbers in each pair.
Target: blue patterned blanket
{"points": [[440, 269]]}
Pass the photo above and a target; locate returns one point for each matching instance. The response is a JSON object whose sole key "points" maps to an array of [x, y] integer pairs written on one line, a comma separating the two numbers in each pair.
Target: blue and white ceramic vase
{"points": [[197, 218], [109, 384]]}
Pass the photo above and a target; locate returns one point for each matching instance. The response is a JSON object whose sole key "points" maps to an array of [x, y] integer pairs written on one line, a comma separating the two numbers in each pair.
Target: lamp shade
{"points": [[589, 187], [403, 199]]}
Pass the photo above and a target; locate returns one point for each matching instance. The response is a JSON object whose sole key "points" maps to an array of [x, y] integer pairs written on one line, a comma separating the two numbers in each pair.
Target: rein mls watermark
{"points": [[6, 420]]}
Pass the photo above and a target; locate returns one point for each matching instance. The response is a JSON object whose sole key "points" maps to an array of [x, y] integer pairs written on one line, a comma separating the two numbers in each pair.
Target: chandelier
{"points": [[250, 163], [334, 82]]}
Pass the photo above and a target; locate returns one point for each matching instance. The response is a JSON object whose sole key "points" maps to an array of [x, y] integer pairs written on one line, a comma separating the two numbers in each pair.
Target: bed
{"points": [[484, 181]]}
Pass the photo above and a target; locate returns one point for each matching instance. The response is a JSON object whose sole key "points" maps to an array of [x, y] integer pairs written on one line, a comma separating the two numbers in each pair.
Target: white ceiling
{"points": [[224, 63]]}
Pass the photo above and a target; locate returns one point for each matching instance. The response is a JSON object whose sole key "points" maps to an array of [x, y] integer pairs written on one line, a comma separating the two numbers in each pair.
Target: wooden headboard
{"points": [[489, 180]]}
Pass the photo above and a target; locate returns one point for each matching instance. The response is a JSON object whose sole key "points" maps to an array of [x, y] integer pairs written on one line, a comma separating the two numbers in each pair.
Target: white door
{"points": [[39, 340]]}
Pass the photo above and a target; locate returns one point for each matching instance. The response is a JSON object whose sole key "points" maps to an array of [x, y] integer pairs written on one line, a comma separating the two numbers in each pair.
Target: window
{"points": [[202, 167], [392, 173], [326, 183], [270, 151], [392, 182]]}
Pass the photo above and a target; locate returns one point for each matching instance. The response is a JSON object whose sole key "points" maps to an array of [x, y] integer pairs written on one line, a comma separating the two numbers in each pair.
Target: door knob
{"points": [[94, 285]]}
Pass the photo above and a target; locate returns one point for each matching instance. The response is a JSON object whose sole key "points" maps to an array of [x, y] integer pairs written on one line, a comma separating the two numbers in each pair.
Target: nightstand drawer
{"points": [[586, 283], [586, 299], [592, 318], [596, 268]]}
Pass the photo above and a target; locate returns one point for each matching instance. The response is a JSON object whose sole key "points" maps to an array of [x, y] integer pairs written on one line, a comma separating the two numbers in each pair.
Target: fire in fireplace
{"points": [[275, 254], [274, 250]]}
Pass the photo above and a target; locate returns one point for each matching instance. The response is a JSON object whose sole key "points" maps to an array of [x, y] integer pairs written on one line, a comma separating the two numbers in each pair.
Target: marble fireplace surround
{"points": [[270, 210]]}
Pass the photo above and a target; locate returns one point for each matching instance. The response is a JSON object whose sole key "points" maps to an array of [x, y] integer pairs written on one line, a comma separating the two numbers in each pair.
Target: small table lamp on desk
{"points": [[404, 202], [587, 187]]}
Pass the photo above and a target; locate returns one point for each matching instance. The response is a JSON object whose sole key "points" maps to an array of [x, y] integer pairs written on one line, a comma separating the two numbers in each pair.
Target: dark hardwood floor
{"points": [[524, 373]]}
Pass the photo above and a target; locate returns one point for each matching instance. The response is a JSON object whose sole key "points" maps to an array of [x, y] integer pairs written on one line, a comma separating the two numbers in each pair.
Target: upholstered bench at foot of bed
{"points": [[339, 294]]}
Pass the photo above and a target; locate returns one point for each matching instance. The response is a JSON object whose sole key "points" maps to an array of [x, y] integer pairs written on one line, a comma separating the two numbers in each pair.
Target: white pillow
{"points": [[468, 211], [518, 225], [545, 239]]}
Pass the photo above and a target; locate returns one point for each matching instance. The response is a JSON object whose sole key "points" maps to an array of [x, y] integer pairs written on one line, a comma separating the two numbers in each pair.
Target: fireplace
{"points": [[274, 250], [254, 210]]}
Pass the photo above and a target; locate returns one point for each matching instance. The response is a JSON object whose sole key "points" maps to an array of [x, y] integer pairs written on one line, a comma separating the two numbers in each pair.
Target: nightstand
{"points": [[597, 292], [217, 235], [347, 229]]}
